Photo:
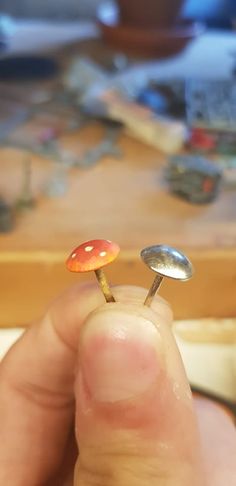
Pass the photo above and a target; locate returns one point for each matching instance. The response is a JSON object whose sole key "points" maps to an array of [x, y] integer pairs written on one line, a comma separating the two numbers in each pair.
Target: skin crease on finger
{"points": [[45, 359]]}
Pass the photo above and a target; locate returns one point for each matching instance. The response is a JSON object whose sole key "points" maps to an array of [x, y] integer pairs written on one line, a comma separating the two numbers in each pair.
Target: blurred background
{"points": [[214, 12], [118, 121]]}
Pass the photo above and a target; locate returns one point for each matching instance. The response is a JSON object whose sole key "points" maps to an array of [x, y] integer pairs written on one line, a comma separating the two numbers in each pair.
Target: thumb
{"points": [[135, 423]]}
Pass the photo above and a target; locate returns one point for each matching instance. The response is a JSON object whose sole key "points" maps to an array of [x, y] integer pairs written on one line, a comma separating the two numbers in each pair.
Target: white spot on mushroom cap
{"points": [[74, 255], [103, 253], [88, 248]]}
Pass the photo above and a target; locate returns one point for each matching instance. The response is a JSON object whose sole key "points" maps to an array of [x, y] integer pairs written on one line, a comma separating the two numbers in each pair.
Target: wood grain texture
{"points": [[123, 200]]}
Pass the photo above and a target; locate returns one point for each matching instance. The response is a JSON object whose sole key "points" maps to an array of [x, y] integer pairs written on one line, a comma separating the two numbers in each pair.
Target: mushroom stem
{"points": [[101, 278], [153, 289]]}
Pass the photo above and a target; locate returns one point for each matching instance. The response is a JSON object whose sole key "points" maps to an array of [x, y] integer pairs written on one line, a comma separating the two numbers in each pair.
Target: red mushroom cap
{"points": [[92, 255]]}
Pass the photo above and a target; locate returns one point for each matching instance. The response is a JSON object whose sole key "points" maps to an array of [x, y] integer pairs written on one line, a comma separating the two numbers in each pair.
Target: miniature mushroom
{"points": [[165, 261], [94, 255]]}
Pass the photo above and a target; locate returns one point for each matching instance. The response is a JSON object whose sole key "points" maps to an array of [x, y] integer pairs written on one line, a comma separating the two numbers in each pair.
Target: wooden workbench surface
{"points": [[125, 200]]}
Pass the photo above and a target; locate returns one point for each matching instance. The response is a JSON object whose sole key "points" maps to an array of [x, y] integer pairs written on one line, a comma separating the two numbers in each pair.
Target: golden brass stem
{"points": [[101, 278]]}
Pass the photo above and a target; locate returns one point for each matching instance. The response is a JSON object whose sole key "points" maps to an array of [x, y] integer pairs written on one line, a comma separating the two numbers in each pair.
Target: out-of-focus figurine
{"points": [[202, 140], [211, 104], [6, 217], [194, 178], [165, 97], [205, 141], [25, 199]]}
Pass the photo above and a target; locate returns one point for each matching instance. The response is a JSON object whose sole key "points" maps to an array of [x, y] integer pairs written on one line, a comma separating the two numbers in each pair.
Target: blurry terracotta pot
{"points": [[149, 13]]}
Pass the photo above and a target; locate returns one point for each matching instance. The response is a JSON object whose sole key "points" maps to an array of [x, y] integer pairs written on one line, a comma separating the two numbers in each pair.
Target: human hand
{"points": [[116, 373]]}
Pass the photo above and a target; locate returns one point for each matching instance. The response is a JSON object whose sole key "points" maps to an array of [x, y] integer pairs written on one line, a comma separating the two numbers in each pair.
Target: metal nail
{"points": [[165, 261]]}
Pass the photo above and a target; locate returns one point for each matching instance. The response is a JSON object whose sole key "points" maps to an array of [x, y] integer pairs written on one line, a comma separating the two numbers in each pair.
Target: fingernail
{"points": [[119, 356]]}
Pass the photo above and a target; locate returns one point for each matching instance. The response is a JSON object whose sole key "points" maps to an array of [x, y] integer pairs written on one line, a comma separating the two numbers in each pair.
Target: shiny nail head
{"points": [[165, 261]]}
